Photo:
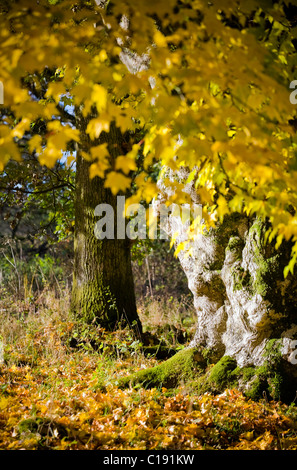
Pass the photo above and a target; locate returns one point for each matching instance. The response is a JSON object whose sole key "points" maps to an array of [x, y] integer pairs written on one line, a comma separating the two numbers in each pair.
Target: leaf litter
{"points": [[70, 402]]}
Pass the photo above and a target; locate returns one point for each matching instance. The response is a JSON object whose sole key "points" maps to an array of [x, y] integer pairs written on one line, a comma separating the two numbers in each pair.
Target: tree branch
{"points": [[41, 191], [65, 115]]}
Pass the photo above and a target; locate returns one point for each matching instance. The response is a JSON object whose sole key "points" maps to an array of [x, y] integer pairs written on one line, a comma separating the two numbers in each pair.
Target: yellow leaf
{"points": [[20, 128], [15, 56], [83, 417], [43, 409], [55, 90], [70, 159], [8, 150], [4, 403], [98, 168], [159, 39], [59, 140], [31, 110], [70, 133], [96, 126], [102, 56], [249, 435], [123, 117], [222, 209], [86, 155], [205, 196], [81, 92], [180, 247], [117, 77], [99, 97], [99, 151], [117, 182], [125, 164], [35, 143], [50, 155], [149, 191], [49, 110]]}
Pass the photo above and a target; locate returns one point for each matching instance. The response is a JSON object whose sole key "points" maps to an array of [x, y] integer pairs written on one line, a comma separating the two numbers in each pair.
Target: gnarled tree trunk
{"points": [[240, 294], [246, 309], [241, 297]]}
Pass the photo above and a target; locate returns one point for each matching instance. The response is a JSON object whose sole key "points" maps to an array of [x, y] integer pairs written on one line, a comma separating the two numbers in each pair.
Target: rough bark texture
{"points": [[103, 288], [241, 297], [246, 309]]}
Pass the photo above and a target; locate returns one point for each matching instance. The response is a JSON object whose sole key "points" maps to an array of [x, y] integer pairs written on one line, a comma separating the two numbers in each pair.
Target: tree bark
{"points": [[246, 309], [103, 286], [243, 302]]}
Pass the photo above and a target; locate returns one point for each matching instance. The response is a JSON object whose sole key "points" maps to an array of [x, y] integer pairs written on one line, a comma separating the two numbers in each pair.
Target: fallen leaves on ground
{"points": [[46, 406]]}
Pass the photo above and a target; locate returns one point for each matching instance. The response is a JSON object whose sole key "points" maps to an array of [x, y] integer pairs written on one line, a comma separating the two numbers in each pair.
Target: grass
{"points": [[57, 389]]}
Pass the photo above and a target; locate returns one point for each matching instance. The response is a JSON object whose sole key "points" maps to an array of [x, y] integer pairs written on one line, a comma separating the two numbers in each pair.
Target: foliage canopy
{"points": [[205, 86]]}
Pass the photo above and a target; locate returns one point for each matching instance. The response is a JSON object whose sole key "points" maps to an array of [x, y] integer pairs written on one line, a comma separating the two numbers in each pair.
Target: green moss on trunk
{"points": [[217, 378], [189, 369], [103, 286], [221, 371], [96, 303], [184, 366]]}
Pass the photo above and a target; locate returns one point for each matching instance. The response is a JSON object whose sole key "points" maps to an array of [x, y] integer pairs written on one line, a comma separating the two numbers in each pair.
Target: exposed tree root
{"points": [[182, 367], [189, 367]]}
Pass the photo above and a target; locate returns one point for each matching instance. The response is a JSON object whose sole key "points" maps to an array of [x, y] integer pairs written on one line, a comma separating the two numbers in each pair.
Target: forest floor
{"points": [[58, 391]]}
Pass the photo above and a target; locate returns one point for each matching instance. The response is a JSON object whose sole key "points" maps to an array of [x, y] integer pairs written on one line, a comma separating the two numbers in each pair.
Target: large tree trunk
{"points": [[103, 287], [246, 311], [240, 294], [242, 300]]}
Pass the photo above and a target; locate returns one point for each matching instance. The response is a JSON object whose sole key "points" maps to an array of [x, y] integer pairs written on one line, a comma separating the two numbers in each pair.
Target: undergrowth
{"points": [[57, 390]]}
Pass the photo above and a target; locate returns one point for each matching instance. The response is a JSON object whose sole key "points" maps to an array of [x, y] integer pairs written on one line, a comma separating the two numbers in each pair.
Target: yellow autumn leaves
{"points": [[117, 178], [57, 405], [206, 96], [75, 82]]}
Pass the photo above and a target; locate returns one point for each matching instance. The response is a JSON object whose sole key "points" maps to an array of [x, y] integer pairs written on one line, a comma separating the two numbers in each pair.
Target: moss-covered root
{"points": [[182, 367]]}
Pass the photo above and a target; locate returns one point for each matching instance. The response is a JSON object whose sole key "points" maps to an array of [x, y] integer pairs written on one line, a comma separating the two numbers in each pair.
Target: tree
{"points": [[211, 95], [36, 205], [29, 189], [103, 287], [103, 284], [246, 138]]}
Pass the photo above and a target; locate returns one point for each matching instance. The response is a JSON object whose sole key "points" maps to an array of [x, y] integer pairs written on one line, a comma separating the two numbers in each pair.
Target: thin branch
{"points": [[41, 191], [65, 115], [57, 175]]}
